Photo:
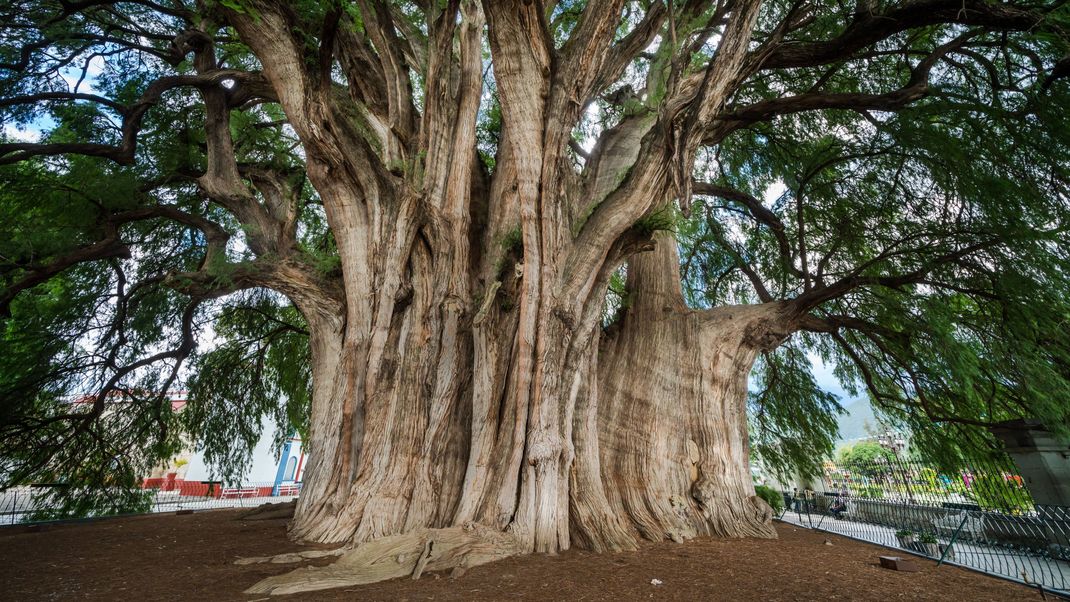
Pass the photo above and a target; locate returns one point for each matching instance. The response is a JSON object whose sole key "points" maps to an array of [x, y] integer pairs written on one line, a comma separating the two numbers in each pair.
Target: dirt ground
{"points": [[191, 557]]}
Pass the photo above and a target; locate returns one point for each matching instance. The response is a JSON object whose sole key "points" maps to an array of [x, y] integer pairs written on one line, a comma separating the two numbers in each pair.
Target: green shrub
{"points": [[865, 458], [872, 492], [994, 491], [771, 497]]}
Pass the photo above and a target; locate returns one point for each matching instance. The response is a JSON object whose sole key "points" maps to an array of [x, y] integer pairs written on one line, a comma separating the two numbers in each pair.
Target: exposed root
{"points": [[751, 518], [398, 556], [290, 557], [270, 511], [732, 515]]}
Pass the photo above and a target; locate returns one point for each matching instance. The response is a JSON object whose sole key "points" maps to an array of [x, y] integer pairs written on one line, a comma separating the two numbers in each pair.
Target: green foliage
{"points": [[954, 213], [513, 241], [261, 367], [242, 7], [113, 328], [933, 484], [662, 220], [1000, 492], [869, 492], [618, 300], [71, 338], [512, 250], [489, 130], [771, 497], [793, 421], [929, 476], [865, 457]]}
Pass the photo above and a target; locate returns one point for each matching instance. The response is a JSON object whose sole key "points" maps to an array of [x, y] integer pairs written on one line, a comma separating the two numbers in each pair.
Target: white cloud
{"points": [[93, 70], [21, 134], [96, 66], [774, 192], [826, 379]]}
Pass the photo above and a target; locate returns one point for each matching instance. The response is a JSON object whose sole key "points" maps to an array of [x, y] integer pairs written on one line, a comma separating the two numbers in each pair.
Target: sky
{"points": [[826, 380], [76, 82]]}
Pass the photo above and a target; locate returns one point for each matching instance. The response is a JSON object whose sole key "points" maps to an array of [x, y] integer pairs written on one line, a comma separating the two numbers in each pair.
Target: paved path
{"points": [[1017, 565]]}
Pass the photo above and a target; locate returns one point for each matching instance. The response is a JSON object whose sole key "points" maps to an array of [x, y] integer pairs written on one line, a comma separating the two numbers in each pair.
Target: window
{"points": [[291, 468]]}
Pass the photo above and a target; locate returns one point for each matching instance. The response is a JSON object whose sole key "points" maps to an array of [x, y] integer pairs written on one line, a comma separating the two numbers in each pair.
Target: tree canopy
{"points": [[863, 455], [894, 170]]}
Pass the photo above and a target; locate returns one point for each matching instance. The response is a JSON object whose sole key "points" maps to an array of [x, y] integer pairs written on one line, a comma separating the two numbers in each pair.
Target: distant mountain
{"points": [[854, 424]]}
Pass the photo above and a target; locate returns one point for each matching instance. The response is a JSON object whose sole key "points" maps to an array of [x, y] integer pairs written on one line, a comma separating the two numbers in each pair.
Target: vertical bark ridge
{"points": [[594, 522]]}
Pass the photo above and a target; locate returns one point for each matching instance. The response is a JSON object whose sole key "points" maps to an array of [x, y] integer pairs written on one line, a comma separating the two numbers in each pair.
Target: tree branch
{"points": [[855, 279], [133, 115], [759, 212], [869, 28], [916, 88]]}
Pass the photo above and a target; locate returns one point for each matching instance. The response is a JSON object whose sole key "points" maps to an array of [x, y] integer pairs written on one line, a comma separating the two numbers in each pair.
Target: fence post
{"points": [[954, 536]]}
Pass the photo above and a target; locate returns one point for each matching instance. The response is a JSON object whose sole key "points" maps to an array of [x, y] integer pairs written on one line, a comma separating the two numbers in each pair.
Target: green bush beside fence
{"points": [[771, 497]]}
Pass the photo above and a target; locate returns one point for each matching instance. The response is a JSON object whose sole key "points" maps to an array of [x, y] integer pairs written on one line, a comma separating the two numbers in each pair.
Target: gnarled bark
{"points": [[647, 437], [672, 421], [407, 554], [464, 404]]}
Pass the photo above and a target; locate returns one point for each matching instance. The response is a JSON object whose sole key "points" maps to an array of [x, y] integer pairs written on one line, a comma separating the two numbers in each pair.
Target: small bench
{"points": [[238, 492], [830, 499], [971, 526], [289, 489]]}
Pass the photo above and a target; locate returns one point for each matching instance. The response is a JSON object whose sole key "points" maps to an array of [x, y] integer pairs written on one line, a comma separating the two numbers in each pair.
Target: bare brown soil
{"points": [[191, 557]]}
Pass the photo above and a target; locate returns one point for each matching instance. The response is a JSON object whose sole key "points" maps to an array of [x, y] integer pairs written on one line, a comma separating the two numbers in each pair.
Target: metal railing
{"points": [[33, 504], [982, 518]]}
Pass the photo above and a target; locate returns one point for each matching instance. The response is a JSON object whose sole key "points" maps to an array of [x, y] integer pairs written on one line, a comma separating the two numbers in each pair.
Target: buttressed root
{"points": [[270, 511], [407, 554], [290, 557]]}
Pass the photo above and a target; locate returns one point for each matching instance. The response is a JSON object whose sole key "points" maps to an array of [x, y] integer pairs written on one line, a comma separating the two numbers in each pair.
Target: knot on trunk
{"points": [[763, 511], [545, 448], [703, 490], [767, 335], [566, 316]]}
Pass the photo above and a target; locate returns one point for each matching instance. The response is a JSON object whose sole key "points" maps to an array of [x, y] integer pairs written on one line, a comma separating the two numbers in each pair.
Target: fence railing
{"points": [[991, 486], [33, 503], [982, 518]]}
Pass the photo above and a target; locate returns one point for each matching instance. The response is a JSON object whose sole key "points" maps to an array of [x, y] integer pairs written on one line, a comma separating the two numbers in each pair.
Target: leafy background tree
{"points": [[862, 456]]}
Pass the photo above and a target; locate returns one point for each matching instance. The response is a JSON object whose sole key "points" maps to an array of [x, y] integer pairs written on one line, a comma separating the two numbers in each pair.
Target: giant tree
{"points": [[441, 239]]}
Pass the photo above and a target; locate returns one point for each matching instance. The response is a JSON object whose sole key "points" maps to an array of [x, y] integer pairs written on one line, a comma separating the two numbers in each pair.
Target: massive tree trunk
{"points": [[465, 408], [444, 460]]}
